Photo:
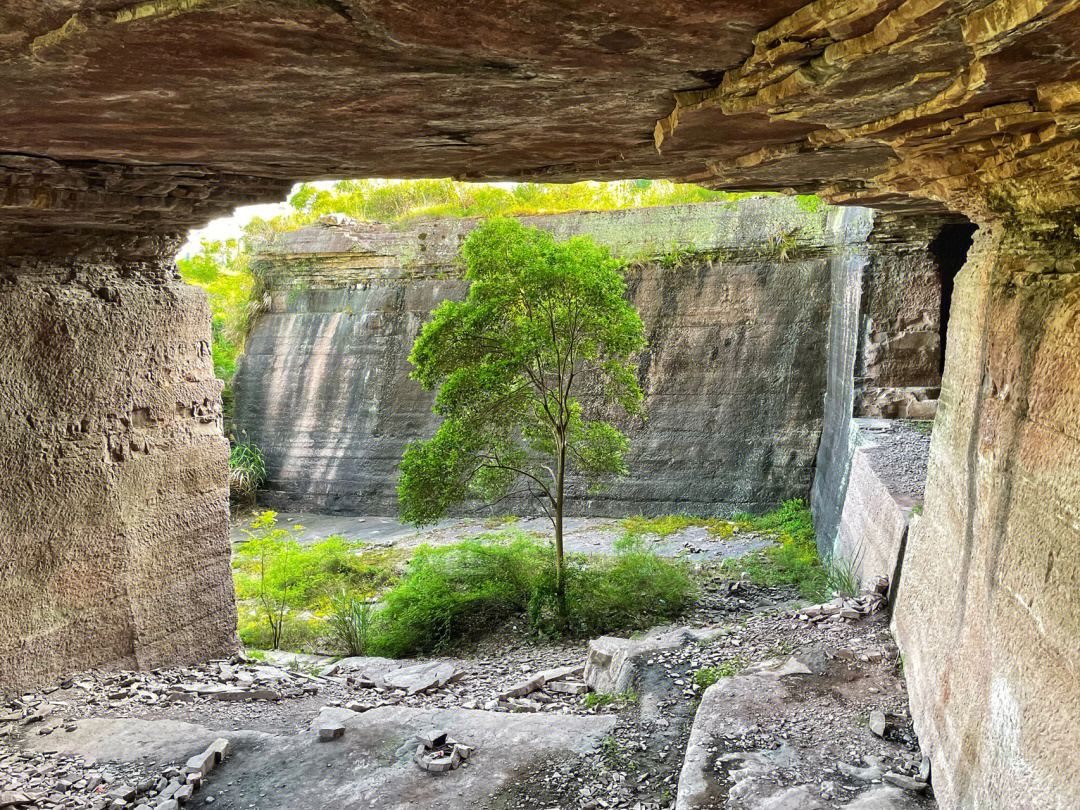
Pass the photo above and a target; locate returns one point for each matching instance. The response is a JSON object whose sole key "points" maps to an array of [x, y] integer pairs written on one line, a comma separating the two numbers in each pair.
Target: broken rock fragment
{"points": [[331, 730], [877, 722]]}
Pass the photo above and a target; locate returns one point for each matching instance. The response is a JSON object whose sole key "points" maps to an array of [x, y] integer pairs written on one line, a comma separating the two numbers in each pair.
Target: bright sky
{"points": [[233, 227]]}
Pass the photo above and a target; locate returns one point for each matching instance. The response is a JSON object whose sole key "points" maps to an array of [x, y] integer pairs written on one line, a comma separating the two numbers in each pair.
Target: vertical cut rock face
{"points": [[114, 526], [885, 344], [735, 300], [988, 613]]}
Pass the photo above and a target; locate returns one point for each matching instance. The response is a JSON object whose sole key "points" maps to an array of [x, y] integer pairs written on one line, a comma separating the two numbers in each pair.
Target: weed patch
{"points": [[457, 592], [707, 676], [288, 591], [794, 562], [597, 700], [667, 525]]}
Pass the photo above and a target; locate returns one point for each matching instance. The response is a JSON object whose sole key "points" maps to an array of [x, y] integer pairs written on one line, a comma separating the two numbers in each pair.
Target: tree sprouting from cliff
{"points": [[541, 320]]}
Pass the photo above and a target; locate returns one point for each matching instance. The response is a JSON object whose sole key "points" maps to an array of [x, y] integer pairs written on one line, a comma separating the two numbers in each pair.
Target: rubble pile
{"points": [[438, 752], [541, 689], [56, 781], [235, 680], [848, 608]]}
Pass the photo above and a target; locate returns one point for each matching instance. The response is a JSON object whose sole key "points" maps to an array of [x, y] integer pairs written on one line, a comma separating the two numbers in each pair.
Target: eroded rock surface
{"points": [[987, 611], [115, 548], [870, 100]]}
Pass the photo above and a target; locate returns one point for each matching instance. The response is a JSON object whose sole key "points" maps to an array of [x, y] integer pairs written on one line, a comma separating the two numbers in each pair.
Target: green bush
{"points": [[842, 575], [455, 592], [458, 592], [631, 590]]}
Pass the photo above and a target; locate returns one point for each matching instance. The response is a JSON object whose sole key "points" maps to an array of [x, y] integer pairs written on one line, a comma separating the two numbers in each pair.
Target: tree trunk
{"points": [[560, 572]]}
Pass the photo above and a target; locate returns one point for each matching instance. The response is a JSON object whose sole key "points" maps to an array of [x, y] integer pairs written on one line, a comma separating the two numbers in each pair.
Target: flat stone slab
{"points": [[411, 676], [718, 771], [370, 767], [161, 742]]}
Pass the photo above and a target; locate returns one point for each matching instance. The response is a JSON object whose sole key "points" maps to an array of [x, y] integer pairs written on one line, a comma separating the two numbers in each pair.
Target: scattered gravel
{"points": [[900, 454]]}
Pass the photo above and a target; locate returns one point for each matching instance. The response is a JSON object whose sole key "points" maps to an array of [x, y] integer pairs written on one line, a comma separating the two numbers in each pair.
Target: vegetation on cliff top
{"points": [[398, 200]]}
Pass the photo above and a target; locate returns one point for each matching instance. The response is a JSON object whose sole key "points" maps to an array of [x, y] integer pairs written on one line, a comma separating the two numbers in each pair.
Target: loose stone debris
{"points": [[54, 780], [870, 600], [809, 749]]}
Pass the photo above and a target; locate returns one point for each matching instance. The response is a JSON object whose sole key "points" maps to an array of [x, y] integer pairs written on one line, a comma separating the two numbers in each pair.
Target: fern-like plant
{"points": [[351, 620]]}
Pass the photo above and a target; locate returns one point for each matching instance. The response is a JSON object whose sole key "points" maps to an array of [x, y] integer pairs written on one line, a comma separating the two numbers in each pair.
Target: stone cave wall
{"points": [[115, 516], [884, 353], [734, 374], [988, 612]]}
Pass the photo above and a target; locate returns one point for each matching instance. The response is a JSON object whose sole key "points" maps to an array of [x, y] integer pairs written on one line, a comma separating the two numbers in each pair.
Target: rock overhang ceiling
{"points": [[152, 117]]}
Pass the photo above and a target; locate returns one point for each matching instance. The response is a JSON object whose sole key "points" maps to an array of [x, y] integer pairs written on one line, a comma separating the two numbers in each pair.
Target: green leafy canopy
{"points": [[543, 321]]}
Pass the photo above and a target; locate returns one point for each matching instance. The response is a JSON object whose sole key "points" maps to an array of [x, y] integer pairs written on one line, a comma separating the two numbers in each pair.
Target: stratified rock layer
{"points": [[735, 302], [879, 101], [115, 543]]}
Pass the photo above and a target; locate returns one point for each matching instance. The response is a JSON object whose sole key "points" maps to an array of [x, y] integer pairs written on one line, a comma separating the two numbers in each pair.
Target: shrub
{"points": [[631, 590], [457, 592], [247, 472], [351, 621], [269, 558]]}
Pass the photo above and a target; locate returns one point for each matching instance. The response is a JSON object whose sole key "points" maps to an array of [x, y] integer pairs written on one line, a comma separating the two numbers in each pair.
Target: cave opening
{"points": [[950, 249]]}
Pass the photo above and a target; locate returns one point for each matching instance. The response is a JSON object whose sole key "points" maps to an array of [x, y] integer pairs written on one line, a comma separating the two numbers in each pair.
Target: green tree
{"points": [[272, 562], [543, 321]]}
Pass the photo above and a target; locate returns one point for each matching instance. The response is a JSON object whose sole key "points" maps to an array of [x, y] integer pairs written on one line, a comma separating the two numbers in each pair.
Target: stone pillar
{"points": [[114, 546], [988, 611]]}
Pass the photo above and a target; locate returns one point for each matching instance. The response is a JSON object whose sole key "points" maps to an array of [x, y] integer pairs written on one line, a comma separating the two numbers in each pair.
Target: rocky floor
{"points": [[808, 710], [900, 455]]}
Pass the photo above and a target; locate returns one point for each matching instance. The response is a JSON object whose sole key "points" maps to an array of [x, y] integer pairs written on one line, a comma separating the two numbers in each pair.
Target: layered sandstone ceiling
{"points": [[151, 117]]}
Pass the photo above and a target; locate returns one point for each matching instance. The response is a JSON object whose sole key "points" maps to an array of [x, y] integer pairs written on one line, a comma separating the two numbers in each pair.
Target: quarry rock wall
{"points": [[114, 520], [988, 612], [884, 349], [735, 300], [898, 367]]}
